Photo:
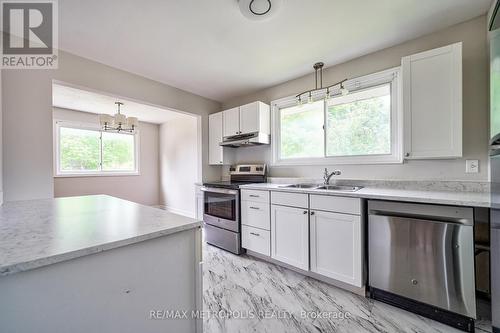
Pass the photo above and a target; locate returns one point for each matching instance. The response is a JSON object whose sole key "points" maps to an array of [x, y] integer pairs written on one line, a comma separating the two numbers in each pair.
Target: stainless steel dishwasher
{"points": [[421, 258]]}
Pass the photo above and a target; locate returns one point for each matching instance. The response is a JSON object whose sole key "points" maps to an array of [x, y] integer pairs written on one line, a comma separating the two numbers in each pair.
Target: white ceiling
{"points": [[209, 48], [88, 101]]}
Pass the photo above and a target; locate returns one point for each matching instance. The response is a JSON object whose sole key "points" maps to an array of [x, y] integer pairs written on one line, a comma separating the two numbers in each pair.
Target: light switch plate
{"points": [[472, 166]]}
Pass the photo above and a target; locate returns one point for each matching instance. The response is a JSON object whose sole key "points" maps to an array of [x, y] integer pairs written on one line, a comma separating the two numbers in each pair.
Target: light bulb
{"points": [[120, 119], [327, 96], [343, 90], [132, 121], [299, 102], [105, 120]]}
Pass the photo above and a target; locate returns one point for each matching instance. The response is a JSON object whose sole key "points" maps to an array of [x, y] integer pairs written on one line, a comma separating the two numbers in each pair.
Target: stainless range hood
{"points": [[244, 140]]}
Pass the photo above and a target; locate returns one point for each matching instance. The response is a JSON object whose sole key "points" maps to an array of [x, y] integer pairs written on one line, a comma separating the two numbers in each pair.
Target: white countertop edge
{"points": [[49, 260], [396, 195]]}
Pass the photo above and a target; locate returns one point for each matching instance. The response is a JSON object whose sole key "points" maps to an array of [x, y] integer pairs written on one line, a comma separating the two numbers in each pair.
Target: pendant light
{"points": [[119, 122], [318, 80]]}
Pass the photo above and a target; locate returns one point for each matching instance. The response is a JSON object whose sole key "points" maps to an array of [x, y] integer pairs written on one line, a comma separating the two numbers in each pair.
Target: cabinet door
{"points": [[231, 121], [432, 101], [290, 236], [250, 118], [336, 246], [215, 151]]}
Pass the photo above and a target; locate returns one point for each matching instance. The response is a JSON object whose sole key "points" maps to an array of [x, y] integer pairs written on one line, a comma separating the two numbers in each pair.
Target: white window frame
{"points": [[392, 76], [100, 173]]}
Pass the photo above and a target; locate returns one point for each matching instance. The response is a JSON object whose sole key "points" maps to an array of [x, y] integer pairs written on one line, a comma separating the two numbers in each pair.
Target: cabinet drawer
{"points": [[290, 199], [336, 204], [256, 240], [255, 195], [256, 214]]}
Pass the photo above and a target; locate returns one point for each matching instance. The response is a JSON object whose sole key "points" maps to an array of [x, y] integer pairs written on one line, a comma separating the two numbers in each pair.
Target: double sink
{"points": [[338, 188]]}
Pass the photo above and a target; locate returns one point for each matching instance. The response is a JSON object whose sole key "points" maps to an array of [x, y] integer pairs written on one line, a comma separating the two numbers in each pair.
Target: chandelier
{"points": [[119, 122], [318, 80]]}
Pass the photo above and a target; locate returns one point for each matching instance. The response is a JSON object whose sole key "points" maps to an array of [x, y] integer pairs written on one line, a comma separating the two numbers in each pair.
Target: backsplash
{"points": [[421, 170], [451, 186]]}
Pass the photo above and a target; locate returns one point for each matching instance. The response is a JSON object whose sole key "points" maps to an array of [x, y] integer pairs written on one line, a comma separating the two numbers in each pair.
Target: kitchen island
{"points": [[97, 264]]}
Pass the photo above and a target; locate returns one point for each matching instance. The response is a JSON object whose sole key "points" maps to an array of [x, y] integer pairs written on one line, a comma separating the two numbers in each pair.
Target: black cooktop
{"points": [[226, 184]]}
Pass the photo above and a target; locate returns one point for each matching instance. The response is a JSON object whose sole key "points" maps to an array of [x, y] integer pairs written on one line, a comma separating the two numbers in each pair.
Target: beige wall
{"points": [[475, 108], [143, 188], [27, 103], [179, 164]]}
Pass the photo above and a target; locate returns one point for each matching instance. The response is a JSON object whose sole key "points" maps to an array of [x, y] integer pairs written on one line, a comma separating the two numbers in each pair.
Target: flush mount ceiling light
{"points": [[259, 9], [331, 90], [118, 122]]}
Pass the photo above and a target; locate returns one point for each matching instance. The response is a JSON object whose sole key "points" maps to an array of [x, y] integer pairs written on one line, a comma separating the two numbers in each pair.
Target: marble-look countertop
{"points": [[36, 233], [458, 197]]}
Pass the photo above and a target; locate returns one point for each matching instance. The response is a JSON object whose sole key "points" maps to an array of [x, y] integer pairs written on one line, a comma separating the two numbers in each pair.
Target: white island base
{"points": [[111, 291], [121, 289]]}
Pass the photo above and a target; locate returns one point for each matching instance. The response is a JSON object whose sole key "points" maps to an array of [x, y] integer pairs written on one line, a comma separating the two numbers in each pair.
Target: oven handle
{"points": [[218, 190]]}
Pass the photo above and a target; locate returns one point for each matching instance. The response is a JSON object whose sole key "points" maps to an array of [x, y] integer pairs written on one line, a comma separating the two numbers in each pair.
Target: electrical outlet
{"points": [[472, 166]]}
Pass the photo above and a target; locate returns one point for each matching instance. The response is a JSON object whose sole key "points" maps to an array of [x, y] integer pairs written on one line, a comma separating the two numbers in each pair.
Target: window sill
{"points": [[86, 175]]}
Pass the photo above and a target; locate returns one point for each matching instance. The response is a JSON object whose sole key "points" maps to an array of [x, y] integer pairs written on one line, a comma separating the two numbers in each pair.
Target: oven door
{"points": [[221, 208]]}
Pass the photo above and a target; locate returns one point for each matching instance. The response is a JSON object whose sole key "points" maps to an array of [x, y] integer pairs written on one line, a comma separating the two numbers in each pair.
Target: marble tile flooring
{"points": [[244, 294]]}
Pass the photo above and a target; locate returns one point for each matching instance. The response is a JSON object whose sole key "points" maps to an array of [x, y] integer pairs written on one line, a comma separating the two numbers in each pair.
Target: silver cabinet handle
{"points": [[407, 155], [257, 208], [305, 212], [312, 213], [255, 234], [254, 196]]}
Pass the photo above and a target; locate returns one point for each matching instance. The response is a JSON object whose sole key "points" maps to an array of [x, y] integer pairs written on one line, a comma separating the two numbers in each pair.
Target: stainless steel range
{"points": [[221, 212]]}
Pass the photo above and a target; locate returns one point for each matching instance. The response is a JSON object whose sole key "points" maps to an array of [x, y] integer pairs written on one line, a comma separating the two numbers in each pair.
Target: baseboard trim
{"points": [[452, 319], [177, 211], [342, 285]]}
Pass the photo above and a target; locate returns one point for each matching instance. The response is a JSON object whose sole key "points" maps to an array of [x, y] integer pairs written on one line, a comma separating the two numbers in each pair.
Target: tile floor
{"points": [[244, 294]]}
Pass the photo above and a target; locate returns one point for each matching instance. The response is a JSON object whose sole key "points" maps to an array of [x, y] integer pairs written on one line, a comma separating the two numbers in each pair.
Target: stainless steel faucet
{"points": [[327, 175]]}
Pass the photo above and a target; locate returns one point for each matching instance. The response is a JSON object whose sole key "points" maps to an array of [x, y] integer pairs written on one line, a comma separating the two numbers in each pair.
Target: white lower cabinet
{"points": [[256, 240], [336, 246], [290, 235], [321, 235]]}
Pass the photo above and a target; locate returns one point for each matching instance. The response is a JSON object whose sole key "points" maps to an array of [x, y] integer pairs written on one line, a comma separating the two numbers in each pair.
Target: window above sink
{"points": [[363, 127]]}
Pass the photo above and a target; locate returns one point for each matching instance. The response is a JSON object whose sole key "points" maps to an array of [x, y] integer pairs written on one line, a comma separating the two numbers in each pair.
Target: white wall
{"points": [[27, 103], [179, 164], [475, 108], [143, 188]]}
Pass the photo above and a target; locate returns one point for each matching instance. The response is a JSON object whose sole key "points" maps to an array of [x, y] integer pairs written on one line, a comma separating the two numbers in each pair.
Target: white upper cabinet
{"points": [[217, 155], [255, 117], [231, 121], [248, 118], [432, 102]]}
